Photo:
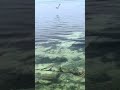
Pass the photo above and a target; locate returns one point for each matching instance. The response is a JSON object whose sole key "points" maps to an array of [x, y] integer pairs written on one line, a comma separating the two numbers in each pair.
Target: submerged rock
{"points": [[73, 68], [47, 75], [46, 60], [68, 77], [56, 68], [60, 68], [43, 55], [43, 82], [44, 67]]}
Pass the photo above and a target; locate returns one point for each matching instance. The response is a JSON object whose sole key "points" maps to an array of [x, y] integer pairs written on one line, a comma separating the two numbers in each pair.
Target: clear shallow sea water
{"points": [[59, 44], [53, 25]]}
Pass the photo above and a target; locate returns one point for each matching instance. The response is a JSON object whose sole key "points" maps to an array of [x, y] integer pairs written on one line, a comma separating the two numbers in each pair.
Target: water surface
{"points": [[59, 45], [53, 24]]}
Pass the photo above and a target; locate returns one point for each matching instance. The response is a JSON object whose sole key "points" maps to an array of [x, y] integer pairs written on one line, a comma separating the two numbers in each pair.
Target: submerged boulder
{"points": [[68, 77], [44, 82], [73, 68], [46, 75]]}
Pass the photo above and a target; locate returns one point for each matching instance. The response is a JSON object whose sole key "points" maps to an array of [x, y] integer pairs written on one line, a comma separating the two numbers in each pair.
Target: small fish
{"points": [[58, 6]]}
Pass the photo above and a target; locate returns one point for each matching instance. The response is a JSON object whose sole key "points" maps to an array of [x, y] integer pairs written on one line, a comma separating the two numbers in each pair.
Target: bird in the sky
{"points": [[58, 6]]}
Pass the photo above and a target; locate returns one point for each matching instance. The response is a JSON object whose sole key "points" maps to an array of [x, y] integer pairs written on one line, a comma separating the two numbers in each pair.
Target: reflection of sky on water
{"points": [[53, 25]]}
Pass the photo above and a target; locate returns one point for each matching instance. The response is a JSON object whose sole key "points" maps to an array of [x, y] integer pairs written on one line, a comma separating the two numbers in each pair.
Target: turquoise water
{"points": [[59, 44]]}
